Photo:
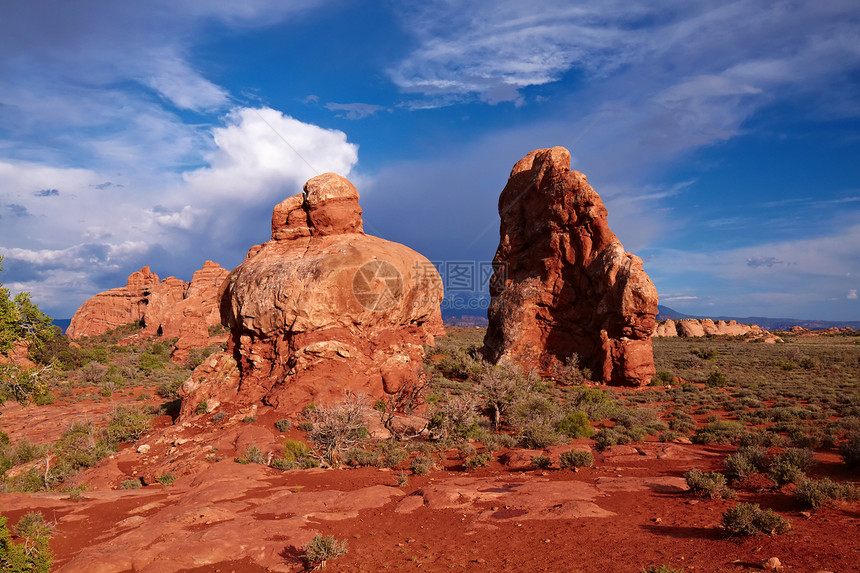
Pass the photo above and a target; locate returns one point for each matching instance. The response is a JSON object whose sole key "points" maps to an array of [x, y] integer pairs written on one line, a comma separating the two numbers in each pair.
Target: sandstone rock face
{"points": [[563, 283], [114, 308], [691, 327], [322, 307], [170, 308]]}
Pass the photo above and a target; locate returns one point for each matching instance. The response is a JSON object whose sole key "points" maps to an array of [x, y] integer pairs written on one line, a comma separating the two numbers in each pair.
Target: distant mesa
{"points": [[321, 308], [170, 308], [564, 284]]}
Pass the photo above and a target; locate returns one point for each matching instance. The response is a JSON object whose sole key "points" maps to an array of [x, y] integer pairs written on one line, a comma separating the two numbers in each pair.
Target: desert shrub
{"points": [[392, 453], [201, 408], [817, 493], [682, 422], [705, 354], [128, 424], [721, 432], [662, 378], [750, 519], [500, 387], [131, 483], [306, 426], [321, 549], [148, 361], [249, 419], [607, 437], [283, 425], [764, 439], [218, 417], [660, 569], [495, 442], [359, 457], [541, 462], [536, 417], [576, 459], [478, 461], [421, 464], [575, 425], [850, 450], [597, 404], [456, 417], [708, 484], [81, 446], [746, 461], [716, 379], [169, 389], [252, 455], [94, 373], [32, 556], [790, 466], [295, 450], [165, 479]]}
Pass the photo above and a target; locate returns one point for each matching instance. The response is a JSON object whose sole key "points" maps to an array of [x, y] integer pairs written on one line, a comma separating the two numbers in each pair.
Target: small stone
{"points": [[143, 448], [656, 520], [772, 564]]}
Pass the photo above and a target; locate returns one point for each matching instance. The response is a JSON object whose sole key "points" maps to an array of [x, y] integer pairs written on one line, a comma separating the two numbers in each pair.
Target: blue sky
{"points": [[724, 137]]}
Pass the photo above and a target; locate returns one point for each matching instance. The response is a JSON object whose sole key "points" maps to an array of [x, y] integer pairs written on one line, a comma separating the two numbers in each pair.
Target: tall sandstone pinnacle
{"points": [[322, 308], [563, 284]]}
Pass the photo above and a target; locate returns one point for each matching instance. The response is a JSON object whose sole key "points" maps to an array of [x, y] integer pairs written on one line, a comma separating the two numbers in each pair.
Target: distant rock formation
{"points": [[694, 327], [563, 284], [170, 308], [321, 308]]}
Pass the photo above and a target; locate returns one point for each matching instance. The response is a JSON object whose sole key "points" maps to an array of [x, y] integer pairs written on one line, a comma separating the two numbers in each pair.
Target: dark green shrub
{"points": [[148, 362], [662, 378], [575, 425], [790, 466], [202, 408], [750, 519], [708, 484], [362, 458], [721, 432], [541, 462], [478, 461], [252, 455], [283, 424], [716, 379], [607, 437], [169, 389], [32, 556], [850, 450], [321, 549], [128, 424], [392, 453], [132, 483], [166, 479], [576, 459], [817, 493], [746, 461], [249, 419]]}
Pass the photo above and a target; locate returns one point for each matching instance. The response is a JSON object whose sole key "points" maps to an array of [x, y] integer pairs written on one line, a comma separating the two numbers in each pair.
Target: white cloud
{"points": [[852, 294], [261, 152], [173, 77], [354, 110]]}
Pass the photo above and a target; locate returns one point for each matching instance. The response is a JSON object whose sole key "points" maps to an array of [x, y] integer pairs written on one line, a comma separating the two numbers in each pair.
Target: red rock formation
{"points": [[563, 283], [114, 308], [692, 327], [322, 308], [170, 308]]}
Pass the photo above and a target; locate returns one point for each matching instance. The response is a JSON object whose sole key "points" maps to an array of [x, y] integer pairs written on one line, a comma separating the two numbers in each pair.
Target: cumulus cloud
{"points": [[260, 152]]}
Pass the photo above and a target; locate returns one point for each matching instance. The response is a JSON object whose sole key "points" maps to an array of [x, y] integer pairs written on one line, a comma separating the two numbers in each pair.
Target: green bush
{"points": [[817, 493], [252, 455], [661, 569], [149, 361], [750, 519], [128, 424], [708, 484], [362, 458], [575, 425], [662, 378], [576, 459], [283, 425], [421, 465], [850, 450], [478, 461], [169, 389], [321, 549], [166, 479], [541, 462], [716, 379], [721, 432], [33, 555], [790, 466], [392, 454], [131, 483], [608, 437], [746, 461]]}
